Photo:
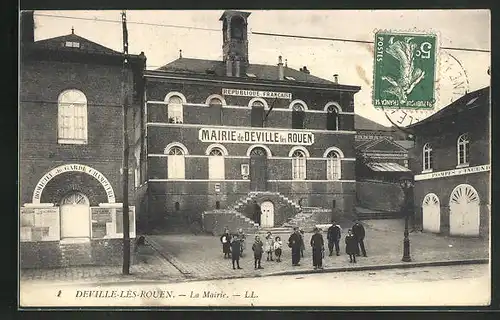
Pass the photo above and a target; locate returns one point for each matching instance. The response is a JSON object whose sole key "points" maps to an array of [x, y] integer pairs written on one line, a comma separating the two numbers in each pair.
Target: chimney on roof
{"points": [[281, 70], [286, 63], [336, 78], [237, 67], [180, 54], [27, 27], [229, 68], [304, 69]]}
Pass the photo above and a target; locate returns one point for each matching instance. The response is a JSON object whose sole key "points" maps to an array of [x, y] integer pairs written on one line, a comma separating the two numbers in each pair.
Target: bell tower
{"points": [[235, 42]]}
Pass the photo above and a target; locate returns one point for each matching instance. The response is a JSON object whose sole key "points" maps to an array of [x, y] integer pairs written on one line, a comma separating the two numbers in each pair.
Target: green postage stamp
{"points": [[404, 70]]}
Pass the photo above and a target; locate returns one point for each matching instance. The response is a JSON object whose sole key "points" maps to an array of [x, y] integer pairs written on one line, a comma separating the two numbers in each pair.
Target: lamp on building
{"points": [[407, 185]]}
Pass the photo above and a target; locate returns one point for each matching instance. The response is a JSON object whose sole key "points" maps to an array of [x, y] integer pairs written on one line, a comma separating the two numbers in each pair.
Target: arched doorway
{"points": [[75, 216], [258, 169], [267, 219], [464, 211], [431, 213]]}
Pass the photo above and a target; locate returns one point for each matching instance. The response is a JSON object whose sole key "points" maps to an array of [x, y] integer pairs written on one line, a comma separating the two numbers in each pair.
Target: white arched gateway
{"points": [[431, 213], [464, 211]]}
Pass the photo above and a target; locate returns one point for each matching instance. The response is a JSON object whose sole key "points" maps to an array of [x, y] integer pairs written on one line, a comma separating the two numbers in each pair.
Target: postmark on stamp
{"points": [[404, 70]]}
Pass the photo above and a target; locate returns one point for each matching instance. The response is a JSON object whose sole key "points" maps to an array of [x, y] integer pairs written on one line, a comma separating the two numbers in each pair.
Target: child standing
{"points": [[235, 251], [269, 246], [257, 248], [277, 248], [302, 243], [351, 246]]}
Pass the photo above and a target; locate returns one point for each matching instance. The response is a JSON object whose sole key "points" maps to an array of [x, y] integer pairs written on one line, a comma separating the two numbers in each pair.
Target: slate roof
{"points": [[59, 43], [362, 123], [478, 98], [218, 68]]}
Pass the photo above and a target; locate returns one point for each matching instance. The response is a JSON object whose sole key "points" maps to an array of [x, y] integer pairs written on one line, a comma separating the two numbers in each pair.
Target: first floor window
{"points": [[298, 165], [333, 166], [332, 118], [176, 166], [257, 114], [175, 110], [216, 164], [463, 149], [298, 116], [427, 157], [72, 122]]}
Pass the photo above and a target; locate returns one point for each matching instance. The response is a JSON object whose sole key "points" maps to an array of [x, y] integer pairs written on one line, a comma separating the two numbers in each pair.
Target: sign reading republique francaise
{"points": [[256, 93], [256, 136]]}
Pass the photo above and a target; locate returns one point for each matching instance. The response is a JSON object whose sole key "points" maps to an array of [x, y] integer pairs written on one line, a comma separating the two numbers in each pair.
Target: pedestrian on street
{"points": [[334, 234], [277, 248], [258, 248], [242, 237], [257, 213], [235, 251], [302, 243], [318, 248], [269, 246], [225, 239], [295, 243], [139, 250], [351, 245], [359, 233]]}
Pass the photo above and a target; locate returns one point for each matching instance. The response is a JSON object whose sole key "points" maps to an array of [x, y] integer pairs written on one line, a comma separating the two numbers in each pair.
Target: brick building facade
{"points": [[219, 135], [71, 148], [452, 167]]}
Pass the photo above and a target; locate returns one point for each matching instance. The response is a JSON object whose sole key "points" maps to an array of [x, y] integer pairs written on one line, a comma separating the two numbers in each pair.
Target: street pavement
{"points": [[431, 286], [184, 257]]}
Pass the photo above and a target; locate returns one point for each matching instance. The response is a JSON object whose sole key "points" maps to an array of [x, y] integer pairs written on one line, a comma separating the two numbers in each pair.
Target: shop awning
{"points": [[387, 166]]}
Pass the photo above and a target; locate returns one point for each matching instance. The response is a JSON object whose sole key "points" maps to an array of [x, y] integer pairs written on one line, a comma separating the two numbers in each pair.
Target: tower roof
{"points": [[234, 13]]}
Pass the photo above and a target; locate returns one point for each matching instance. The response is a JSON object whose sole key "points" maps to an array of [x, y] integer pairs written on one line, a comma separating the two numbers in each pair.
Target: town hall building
{"points": [[219, 137]]}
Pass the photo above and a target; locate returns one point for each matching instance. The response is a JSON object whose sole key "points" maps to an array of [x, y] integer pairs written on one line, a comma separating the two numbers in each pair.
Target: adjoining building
{"points": [[452, 159], [71, 146], [219, 135]]}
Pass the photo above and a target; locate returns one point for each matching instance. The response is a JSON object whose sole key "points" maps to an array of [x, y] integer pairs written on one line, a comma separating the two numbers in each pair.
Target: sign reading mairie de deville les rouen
{"points": [[256, 136]]}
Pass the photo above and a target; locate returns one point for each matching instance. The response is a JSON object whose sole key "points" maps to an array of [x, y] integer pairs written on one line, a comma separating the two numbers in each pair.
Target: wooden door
{"points": [[431, 214], [267, 220], [464, 211]]}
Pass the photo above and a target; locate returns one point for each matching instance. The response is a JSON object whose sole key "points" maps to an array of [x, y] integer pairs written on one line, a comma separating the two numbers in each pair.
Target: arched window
{"points": [[333, 166], [72, 117], [175, 112], [215, 102], [463, 149], [332, 118], [257, 113], [298, 116], [298, 165], [216, 164], [427, 157], [175, 163]]}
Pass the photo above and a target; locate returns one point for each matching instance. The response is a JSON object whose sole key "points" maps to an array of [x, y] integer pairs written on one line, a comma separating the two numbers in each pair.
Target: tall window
{"points": [[72, 110], [216, 164], [463, 149], [333, 166], [298, 116], [427, 157], [257, 114], [298, 165], [175, 113], [332, 118], [215, 102], [176, 165]]}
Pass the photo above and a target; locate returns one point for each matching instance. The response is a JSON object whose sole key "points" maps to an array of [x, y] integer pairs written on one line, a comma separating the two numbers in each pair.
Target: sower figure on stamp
{"points": [[225, 239], [295, 242], [235, 251], [258, 249], [359, 234], [318, 248], [333, 236]]}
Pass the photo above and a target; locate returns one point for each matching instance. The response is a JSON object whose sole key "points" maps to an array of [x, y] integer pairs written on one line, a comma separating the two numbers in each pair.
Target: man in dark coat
{"points": [[295, 242], [333, 236], [358, 232], [235, 251], [318, 247], [225, 239], [351, 246], [257, 213]]}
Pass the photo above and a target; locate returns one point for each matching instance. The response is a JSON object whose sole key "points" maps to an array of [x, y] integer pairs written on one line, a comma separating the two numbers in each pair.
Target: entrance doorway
{"points": [[75, 216], [431, 217], [464, 211], [258, 169], [267, 220]]}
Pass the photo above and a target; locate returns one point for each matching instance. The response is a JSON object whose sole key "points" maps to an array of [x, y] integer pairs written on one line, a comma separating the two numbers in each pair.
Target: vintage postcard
{"points": [[228, 158]]}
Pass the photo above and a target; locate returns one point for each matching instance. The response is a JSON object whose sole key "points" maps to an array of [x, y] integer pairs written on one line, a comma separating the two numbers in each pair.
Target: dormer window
{"points": [[251, 75], [290, 78], [72, 44]]}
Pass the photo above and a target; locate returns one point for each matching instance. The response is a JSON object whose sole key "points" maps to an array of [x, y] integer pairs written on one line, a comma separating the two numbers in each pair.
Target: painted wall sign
{"points": [[256, 94], [256, 136], [454, 172], [37, 193]]}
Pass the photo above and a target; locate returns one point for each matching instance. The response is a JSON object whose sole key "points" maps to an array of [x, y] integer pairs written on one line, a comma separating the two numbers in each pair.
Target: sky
{"points": [[353, 62]]}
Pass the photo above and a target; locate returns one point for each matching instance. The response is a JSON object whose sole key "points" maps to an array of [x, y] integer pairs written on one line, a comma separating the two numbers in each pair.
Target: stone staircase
{"points": [[309, 217], [242, 202], [276, 230], [76, 252]]}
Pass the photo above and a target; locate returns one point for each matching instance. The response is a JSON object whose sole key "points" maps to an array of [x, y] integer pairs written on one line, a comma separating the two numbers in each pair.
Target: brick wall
{"points": [[381, 196]]}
